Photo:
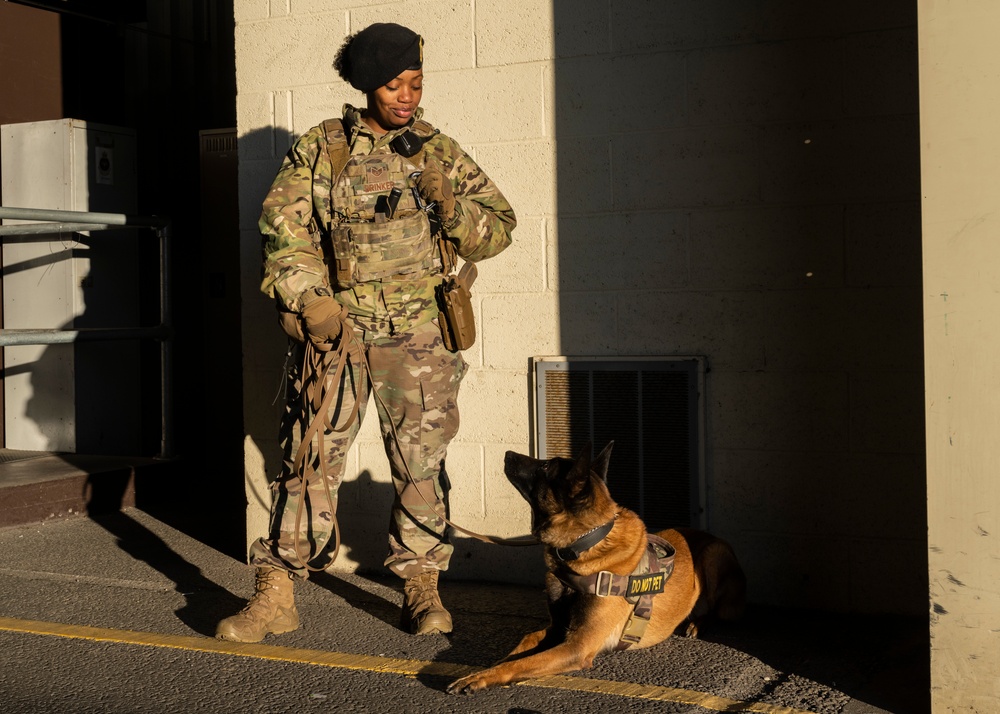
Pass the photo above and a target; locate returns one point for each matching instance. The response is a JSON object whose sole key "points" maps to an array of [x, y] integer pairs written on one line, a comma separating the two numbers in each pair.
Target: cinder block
{"points": [[708, 166], [768, 248], [644, 25], [726, 327], [573, 107], [884, 245], [515, 327], [877, 329], [258, 492], [463, 104], [852, 160], [260, 323], [884, 496], [880, 72], [445, 25], [619, 252], [249, 10], [255, 181], [587, 325], [316, 103], [889, 576], [254, 112], [887, 410], [777, 82], [465, 472], [584, 177], [632, 107], [519, 268], [841, 496], [494, 407], [525, 172], [781, 570], [778, 410], [287, 52], [782, 20], [514, 32], [508, 514]]}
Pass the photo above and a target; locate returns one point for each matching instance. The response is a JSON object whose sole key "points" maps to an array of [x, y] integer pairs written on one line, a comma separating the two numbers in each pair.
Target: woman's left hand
{"points": [[435, 186]]}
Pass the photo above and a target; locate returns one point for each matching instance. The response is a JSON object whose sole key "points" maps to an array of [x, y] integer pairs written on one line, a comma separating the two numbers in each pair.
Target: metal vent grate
{"points": [[219, 141], [650, 407]]}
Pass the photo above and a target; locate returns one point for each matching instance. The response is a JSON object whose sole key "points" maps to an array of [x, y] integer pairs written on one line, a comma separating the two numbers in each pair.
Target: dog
{"points": [[593, 545]]}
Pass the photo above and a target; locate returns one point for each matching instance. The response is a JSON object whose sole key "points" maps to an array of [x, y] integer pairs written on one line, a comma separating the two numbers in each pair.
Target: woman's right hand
{"points": [[323, 319]]}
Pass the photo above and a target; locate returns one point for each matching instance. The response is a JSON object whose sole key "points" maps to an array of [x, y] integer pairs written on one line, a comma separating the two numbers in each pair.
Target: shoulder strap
{"points": [[336, 145], [424, 129]]}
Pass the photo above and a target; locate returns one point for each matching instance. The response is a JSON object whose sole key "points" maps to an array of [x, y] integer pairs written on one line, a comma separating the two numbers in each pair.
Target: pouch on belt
{"points": [[457, 322]]}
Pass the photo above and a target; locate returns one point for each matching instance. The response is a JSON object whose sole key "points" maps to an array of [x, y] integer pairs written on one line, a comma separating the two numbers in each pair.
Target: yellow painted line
{"points": [[387, 665]]}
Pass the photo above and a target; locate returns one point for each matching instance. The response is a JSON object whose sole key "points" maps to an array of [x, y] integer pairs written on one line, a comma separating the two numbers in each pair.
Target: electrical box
{"points": [[80, 397]]}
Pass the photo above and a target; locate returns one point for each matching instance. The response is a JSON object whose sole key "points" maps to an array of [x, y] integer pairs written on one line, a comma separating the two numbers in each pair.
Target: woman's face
{"points": [[392, 105]]}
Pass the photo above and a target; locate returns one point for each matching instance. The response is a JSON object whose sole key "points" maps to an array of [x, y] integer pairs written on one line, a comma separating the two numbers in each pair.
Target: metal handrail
{"points": [[76, 221]]}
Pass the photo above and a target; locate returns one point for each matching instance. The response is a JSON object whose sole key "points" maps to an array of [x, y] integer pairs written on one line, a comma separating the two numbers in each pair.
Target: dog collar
{"points": [[585, 542]]}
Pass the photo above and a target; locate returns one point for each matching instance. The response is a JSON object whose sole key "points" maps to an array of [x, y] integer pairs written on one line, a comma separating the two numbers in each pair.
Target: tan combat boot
{"points": [[271, 610], [423, 613]]}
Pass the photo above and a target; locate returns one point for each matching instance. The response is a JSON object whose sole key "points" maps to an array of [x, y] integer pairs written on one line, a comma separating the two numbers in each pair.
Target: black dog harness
{"points": [[648, 579]]}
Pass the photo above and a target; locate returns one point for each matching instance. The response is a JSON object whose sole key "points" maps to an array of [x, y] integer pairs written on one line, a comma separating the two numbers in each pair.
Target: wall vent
{"points": [[651, 407], [218, 141]]}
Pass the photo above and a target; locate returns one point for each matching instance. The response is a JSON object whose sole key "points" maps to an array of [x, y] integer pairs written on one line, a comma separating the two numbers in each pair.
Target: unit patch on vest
{"points": [[648, 584], [376, 179]]}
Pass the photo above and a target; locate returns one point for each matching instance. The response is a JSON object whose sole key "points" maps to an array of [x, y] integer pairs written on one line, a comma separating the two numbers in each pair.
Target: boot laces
{"points": [[421, 593], [262, 584]]}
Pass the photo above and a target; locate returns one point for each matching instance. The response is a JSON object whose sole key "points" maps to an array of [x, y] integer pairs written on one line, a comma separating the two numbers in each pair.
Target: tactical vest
{"points": [[369, 243]]}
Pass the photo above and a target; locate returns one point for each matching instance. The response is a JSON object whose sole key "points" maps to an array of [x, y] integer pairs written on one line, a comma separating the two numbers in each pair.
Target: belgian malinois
{"points": [[603, 571]]}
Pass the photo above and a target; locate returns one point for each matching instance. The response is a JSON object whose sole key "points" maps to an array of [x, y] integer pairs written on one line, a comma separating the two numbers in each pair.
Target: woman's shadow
{"points": [[363, 506], [204, 599]]}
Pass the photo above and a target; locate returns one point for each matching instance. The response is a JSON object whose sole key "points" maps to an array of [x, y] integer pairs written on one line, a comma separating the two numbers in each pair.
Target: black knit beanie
{"points": [[378, 54]]}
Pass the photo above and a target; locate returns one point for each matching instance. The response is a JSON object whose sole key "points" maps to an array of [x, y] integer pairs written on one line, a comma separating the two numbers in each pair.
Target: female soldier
{"points": [[360, 226]]}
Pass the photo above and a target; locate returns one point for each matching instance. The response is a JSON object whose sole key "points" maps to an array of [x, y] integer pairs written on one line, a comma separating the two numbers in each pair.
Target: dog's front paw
{"points": [[469, 684]]}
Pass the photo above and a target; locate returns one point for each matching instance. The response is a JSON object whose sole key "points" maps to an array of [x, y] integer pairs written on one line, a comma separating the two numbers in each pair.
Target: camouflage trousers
{"points": [[416, 382]]}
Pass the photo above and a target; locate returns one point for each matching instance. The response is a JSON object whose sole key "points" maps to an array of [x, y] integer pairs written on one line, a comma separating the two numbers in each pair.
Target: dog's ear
{"points": [[601, 462], [579, 473]]}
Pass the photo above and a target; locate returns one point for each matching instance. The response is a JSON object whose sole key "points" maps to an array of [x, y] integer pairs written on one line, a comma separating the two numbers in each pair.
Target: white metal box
{"points": [[80, 397]]}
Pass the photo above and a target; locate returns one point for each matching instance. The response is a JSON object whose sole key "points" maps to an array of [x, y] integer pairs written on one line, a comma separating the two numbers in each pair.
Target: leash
{"points": [[316, 366]]}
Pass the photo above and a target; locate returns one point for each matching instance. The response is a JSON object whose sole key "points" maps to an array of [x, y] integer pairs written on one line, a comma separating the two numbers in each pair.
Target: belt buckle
{"points": [[604, 582]]}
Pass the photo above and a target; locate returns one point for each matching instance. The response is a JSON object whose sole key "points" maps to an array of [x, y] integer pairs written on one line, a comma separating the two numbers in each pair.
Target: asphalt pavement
{"points": [[115, 614]]}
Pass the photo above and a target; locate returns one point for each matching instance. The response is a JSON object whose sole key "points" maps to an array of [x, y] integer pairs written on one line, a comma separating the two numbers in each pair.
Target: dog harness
{"points": [[648, 579]]}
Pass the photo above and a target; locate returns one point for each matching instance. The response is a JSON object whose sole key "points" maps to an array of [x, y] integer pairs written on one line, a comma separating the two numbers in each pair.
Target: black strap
{"points": [[585, 542]]}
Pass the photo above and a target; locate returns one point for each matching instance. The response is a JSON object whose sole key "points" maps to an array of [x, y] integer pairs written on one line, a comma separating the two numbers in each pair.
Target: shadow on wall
{"points": [[742, 183]]}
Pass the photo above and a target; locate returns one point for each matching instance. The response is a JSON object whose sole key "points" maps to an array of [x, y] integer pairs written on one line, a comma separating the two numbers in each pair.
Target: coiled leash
{"points": [[316, 396], [316, 366]]}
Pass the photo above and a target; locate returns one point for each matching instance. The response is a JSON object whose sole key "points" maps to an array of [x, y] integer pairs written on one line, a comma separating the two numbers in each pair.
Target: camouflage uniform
{"points": [[415, 378]]}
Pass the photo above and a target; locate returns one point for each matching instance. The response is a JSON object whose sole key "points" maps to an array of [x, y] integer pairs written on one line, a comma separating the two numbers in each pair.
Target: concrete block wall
{"points": [[728, 179]]}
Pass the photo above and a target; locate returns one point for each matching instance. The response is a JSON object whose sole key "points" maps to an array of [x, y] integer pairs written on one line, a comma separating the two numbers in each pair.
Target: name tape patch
{"points": [[648, 584]]}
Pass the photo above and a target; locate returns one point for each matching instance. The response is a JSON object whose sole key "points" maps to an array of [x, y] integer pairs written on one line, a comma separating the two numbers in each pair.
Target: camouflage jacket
{"points": [[299, 201]]}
